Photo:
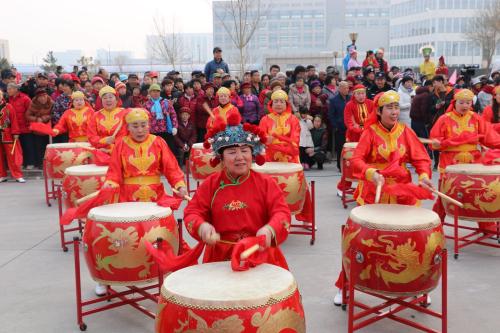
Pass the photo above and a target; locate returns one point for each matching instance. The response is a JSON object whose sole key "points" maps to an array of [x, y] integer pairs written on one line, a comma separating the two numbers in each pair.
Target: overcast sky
{"points": [[35, 26]]}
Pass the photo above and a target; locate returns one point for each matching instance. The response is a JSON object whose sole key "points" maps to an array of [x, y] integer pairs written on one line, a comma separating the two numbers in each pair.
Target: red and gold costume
{"points": [[284, 129], [8, 129], [76, 123], [136, 167], [221, 111], [238, 208], [469, 130], [355, 116], [105, 123]]}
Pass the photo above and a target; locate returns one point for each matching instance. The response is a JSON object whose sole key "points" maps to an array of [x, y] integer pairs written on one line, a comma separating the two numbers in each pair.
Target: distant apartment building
{"points": [[68, 57], [4, 49], [441, 23]]}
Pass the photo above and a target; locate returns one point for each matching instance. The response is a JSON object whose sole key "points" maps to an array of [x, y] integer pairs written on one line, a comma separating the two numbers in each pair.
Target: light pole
{"points": [[335, 55]]}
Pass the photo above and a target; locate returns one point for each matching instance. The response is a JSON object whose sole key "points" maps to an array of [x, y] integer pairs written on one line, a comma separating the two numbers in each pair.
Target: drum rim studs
{"points": [[437, 259], [460, 195], [360, 258]]}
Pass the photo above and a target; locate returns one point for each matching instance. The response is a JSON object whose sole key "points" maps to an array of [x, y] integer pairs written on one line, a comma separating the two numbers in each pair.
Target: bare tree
{"points": [[484, 30], [120, 61], [89, 62], [167, 44], [240, 19]]}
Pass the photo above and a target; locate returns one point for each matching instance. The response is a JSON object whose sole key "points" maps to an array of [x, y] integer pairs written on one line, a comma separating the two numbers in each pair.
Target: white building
{"points": [[68, 57], [4, 49], [414, 23]]}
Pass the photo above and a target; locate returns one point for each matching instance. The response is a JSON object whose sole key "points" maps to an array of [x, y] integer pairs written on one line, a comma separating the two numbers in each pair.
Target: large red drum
{"points": [[82, 180], [290, 178], [59, 156], [397, 249], [114, 238], [213, 298], [199, 162], [347, 152], [477, 186]]}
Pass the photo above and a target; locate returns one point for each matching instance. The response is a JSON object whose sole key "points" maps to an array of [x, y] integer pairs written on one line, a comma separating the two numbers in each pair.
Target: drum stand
{"points": [[131, 296], [188, 182], [348, 192], [477, 235], [308, 229], [372, 314], [51, 192]]}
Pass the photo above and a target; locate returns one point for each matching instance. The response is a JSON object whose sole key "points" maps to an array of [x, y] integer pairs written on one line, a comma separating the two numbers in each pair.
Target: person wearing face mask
{"points": [[238, 202], [107, 125], [468, 130], [225, 107], [406, 94]]}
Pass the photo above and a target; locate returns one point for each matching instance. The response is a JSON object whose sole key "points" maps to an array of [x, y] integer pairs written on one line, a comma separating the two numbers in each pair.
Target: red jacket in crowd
{"points": [[21, 102]]}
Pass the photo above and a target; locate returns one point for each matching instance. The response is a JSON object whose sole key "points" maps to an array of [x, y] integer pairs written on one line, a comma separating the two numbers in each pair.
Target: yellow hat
{"points": [[464, 95], [77, 94], [106, 90], [388, 97], [279, 94], [496, 91], [136, 114], [223, 91]]}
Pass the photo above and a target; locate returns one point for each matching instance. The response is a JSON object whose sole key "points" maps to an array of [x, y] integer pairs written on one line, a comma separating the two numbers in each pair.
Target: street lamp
{"points": [[353, 36], [335, 55]]}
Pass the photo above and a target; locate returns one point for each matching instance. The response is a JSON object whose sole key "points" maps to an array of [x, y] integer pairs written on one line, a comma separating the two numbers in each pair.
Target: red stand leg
{"points": [[78, 286], [313, 200], [444, 291], [455, 232], [46, 183]]}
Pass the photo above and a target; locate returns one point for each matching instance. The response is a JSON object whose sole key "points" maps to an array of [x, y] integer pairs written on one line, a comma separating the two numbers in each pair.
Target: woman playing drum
{"points": [[387, 142], [457, 133], [237, 202], [75, 120]]}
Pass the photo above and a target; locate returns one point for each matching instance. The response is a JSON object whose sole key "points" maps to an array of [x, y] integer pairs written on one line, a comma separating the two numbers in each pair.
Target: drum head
{"points": [[350, 145], [86, 170], [69, 145], [129, 212], [277, 167], [474, 169], [217, 286], [394, 217], [198, 145]]}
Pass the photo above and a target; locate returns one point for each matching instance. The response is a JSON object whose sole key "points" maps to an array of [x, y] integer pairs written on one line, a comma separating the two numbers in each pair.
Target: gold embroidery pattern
{"points": [[233, 324], [142, 159], [390, 141], [79, 117], [109, 121], [281, 320], [280, 126], [235, 205], [462, 124]]}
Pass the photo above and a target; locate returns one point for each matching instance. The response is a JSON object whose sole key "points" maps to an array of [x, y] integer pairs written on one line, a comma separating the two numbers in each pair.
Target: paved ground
{"points": [[37, 284]]}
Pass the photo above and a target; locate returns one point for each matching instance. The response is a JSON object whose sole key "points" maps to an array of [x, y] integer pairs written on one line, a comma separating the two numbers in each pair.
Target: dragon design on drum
{"points": [[406, 263], [283, 319], [67, 158], [233, 324], [130, 250], [486, 194]]}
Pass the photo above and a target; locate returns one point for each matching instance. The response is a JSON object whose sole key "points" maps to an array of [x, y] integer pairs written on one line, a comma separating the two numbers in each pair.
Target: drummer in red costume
{"points": [[225, 107], [75, 120], [385, 141], [282, 129], [237, 202], [9, 137], [107, 126], [382, 142], [356, 112], [457, 133], [491, 113], [138, 161]]}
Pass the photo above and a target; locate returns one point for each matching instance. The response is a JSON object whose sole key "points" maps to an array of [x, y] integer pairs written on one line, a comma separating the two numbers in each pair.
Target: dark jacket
{"points": [[320, 139], [186, 134], [374, 90], [212, 66], [420, 106], [29, 88], [435, 98], [336, 106]]}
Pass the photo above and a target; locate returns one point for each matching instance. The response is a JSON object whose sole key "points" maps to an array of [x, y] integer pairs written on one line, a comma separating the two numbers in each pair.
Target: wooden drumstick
{"points": [[87, 197], [378, 192], [448, 198], [426, 141], [117, 129], [248, 252], [187, 197], [13, 147]]}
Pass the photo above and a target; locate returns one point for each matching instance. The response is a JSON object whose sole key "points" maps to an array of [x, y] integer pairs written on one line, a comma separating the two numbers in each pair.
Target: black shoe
{"points": [[320, 166]]}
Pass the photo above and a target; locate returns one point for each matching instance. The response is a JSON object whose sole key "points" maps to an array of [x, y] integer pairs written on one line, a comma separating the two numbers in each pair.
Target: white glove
{"points": [[208, 234], [174, 131], [266, 231]]}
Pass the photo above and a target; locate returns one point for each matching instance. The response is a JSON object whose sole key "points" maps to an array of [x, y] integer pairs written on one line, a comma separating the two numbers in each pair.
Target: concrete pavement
{"points": [[37, 278]]}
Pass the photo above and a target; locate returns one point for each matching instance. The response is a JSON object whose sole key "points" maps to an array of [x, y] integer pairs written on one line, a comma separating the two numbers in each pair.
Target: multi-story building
{"points": [[68, 57], [4, 49], [442, 24]]}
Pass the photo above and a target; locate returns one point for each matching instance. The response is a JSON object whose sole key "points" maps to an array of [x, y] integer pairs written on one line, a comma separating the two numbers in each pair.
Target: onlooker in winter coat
{"points": [[319, 134], [420, 110], [336, 108], [186, 135], [251, 111], [217, 63], [299, 96], [39, 111], [406, 93]]}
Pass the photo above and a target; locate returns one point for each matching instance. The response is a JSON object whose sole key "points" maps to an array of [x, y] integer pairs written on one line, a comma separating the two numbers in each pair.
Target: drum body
{"points": [[82, 180], [59, 156], [347, 152], [477, 186], [397, 249], [213, 298], [199, 162], [114, 238], [290, 178]]}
